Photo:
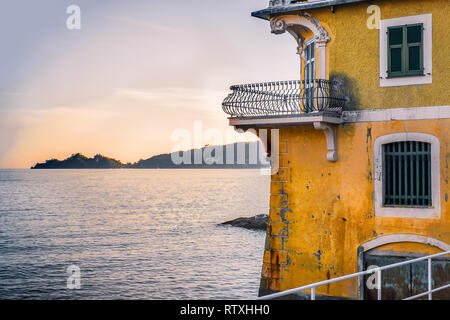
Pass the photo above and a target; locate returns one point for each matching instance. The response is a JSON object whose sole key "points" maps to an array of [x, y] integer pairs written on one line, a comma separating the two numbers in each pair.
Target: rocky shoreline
{"points": [[258, 222]]}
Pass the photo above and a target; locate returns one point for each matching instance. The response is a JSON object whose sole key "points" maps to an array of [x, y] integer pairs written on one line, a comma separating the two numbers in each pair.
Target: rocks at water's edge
{"points": [[258, 222]]}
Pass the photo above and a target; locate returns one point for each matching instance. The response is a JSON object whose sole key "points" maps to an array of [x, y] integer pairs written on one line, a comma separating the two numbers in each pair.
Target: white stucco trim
{"points": [[321, 46], [426, 19], [433, 212], [396, 238], [374, 115], [397, 114]]}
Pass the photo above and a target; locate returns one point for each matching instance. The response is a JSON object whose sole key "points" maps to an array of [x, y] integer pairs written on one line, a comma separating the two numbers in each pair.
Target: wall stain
{"points": [[369, 135], [318, 255], [283, 214], [348, 86], [328, 278]]}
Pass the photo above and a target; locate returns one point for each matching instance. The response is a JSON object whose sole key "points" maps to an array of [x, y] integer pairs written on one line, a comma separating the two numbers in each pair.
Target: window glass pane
{"points": [[414, 34], [414, 58], [396, 59], [395, 36]]}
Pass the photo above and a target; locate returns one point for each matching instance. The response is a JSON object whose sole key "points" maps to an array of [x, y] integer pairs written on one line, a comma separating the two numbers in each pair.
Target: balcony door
{"points": [[309, 76]]}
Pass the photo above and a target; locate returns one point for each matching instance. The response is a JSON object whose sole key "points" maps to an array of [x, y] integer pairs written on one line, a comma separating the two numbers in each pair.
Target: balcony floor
{"points": [[287, 120]]}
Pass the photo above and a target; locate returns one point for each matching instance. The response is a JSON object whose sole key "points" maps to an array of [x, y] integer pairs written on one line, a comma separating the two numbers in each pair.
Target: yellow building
{"points": [[363, 153]]}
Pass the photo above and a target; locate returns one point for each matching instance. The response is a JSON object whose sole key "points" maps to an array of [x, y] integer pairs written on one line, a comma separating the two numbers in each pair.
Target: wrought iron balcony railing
{"points": [[284, 98]]}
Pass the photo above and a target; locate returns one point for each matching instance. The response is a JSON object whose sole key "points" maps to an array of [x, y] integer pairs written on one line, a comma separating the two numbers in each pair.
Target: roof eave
{"points": [[267, 13]]}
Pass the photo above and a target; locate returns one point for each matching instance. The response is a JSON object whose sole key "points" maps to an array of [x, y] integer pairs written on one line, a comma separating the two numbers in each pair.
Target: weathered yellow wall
{"points": [[354, 52], [322, 211]]}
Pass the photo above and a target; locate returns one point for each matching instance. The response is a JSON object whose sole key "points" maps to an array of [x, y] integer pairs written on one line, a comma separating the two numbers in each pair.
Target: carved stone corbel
{"points": [[294, 25], [300, 40], [279, 26], [330, 135]]}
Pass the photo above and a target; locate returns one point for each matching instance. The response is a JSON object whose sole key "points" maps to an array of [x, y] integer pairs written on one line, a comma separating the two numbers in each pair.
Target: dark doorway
{"points": [[406, 281]]}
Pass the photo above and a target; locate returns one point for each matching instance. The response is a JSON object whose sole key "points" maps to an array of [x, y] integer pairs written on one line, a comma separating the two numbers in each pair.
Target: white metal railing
{"points": [[378, 271]]}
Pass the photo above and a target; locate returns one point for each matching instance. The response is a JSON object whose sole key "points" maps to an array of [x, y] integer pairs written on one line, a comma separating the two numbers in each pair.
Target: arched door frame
{"points": [[388, 239]]}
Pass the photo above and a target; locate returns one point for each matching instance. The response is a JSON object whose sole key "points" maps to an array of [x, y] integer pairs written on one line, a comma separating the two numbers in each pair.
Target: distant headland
{"points": [[164, 161]]}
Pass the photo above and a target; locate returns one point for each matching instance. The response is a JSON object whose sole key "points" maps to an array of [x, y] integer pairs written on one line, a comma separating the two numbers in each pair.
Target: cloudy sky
{"points": [[137, 71]]}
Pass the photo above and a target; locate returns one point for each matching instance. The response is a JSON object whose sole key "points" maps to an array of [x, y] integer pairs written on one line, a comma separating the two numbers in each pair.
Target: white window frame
{"points": [[427, 78], [433, 212]]}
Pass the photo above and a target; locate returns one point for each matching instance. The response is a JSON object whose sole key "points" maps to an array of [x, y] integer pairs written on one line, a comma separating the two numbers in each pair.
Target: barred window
{"points": [[407, 174]]}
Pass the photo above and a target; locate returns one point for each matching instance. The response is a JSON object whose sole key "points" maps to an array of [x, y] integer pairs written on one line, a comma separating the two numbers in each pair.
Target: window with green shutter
{"points": [[405, 50]]}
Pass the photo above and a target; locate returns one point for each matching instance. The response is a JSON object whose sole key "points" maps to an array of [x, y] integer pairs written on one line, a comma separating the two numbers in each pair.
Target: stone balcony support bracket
{"points": [[330, 136], [328, 124]]}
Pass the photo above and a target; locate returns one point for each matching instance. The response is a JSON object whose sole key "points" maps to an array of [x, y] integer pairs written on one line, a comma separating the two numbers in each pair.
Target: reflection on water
{"points": [[135, 234]]}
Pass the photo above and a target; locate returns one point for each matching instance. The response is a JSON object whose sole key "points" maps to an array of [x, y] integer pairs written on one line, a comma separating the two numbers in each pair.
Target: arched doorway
{"points": [[404, 281]]}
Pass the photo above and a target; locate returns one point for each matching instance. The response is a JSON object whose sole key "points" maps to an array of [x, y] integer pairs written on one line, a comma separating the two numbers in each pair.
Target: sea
{"points": [[141, 234]]}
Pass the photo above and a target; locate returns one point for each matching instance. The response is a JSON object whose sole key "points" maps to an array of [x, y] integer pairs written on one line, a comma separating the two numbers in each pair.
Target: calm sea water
{"points": [[134, 234]]}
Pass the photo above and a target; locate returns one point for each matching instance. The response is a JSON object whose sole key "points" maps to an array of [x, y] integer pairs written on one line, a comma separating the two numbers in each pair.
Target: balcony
{"points": [[285, 98], [317, 102]]}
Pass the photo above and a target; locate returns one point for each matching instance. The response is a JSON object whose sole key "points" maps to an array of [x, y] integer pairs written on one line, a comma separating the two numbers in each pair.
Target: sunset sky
{"points": [[136, 71]]}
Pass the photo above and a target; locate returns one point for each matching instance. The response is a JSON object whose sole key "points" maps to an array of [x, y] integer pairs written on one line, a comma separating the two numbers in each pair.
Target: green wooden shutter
{"points": [[414, 49], [395, 51], [405, 50]]}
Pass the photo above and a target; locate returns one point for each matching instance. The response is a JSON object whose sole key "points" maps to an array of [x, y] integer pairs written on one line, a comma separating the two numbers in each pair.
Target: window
{"points": [[309, 76], [405, 50], [407, 174]]}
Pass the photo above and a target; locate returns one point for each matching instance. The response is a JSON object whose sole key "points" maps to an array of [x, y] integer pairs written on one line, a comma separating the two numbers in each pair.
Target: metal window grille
{"points": [[407, 174]]}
